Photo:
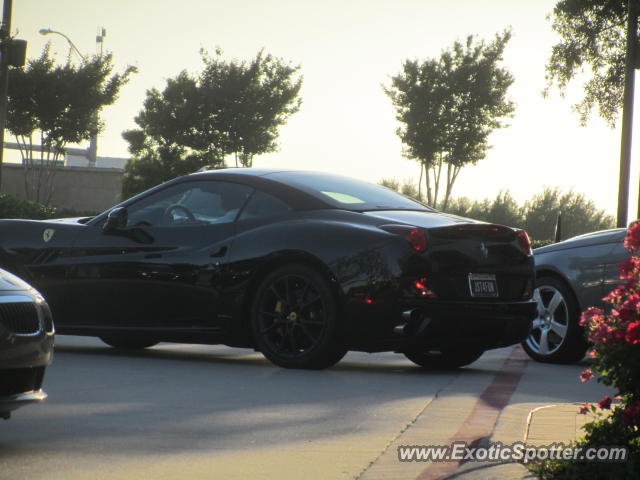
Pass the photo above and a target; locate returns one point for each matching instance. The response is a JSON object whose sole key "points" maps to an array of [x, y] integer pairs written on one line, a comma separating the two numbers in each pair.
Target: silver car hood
{"points": [[11, 283]]}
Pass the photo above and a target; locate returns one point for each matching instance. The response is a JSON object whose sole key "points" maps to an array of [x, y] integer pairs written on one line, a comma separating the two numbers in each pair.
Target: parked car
{"points": [[26, 343], [301, 266], [571, 276]]}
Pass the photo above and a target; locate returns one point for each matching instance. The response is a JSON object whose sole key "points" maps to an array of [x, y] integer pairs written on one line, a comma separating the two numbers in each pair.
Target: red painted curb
{"points": [[482, 419]]}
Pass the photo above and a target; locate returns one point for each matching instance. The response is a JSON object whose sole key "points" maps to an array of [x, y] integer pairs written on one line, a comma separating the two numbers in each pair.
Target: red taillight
{"points": [[413, 235], [420, 285], [524, 242]]}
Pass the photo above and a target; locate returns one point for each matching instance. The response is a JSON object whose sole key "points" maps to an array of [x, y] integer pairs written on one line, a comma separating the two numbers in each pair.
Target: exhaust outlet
{"points": [[414, 321]]}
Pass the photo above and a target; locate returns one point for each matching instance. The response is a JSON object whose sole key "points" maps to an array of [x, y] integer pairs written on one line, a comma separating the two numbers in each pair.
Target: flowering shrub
{"points": [[616, 336], [616, 362]]}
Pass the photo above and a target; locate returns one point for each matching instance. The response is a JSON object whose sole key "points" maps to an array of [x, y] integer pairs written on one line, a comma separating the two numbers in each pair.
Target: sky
{"points": [[347, 50]]}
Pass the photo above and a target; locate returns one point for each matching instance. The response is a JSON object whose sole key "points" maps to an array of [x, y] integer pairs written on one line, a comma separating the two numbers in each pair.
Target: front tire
{"points": [[128, 342], [294, 319], [555, 335], [444, 359]]}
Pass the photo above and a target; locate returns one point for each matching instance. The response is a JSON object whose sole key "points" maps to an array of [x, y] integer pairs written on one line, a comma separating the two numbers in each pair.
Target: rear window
{"points": [[348, 193]]}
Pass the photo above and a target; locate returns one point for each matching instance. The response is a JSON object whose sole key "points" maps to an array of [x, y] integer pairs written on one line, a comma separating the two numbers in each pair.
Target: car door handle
{"points": [[153, 255], [221, 252]]}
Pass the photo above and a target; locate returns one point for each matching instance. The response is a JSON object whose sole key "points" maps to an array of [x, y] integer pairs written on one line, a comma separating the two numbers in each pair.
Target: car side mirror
{"points": [[116, 220]]}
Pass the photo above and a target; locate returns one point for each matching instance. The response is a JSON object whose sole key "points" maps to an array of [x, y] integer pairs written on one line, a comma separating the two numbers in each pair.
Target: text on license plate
{"points": [[483, 285]]}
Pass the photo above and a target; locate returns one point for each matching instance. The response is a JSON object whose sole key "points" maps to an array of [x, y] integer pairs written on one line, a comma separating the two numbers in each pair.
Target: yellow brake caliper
{"points": [[278, 309]]}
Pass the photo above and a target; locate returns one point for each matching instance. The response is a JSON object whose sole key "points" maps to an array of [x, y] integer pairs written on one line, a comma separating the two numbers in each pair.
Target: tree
{"points": [[592, 34], [448, 107], [537, 216], [407, 188], [503, 209], [57, 104], [579, 215], [229, 109]]}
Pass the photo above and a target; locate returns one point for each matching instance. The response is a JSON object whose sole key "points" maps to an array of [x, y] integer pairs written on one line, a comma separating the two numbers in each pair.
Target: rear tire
{"points": [[555, 335], [444, 359], [294, 319], [128, 342]]}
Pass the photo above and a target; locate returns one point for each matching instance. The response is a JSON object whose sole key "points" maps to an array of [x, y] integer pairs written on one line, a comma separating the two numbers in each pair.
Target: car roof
{"points": [[255, 172]]}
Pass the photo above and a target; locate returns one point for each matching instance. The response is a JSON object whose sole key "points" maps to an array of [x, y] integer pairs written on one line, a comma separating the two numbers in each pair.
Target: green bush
{"points": [[12, 207], [538, 216]]}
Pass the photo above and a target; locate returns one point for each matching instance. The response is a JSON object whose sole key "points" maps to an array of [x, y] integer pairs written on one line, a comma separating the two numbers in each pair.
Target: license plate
{"points": [[483, 285]]}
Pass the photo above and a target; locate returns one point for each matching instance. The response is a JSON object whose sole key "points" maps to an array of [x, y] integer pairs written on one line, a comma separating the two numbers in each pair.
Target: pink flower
{"points": [[616, 336], [615, 296], [600, 333], [630, 268], [592, 353], [631, 414], [586, 375], [632, 240], [584, 409], [633, 333], [590, 315], [629, 308], [605, 403]]}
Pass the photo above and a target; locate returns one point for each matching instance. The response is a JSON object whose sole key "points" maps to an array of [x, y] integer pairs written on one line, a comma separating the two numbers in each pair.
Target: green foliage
{"points": [[537, 216], [503, 209], [593, 34], [601, 432], [406, 188], [579, 214], [12, 207], [448, 107], [57, 104], [230, 108]]}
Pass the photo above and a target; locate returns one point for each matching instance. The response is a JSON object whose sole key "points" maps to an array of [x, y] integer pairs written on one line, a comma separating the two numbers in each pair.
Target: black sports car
{"points": [[26, 343], [301, 266]]}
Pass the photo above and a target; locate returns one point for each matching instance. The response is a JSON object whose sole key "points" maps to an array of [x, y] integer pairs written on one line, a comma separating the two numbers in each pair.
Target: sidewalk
{"points": [[532, 423]]}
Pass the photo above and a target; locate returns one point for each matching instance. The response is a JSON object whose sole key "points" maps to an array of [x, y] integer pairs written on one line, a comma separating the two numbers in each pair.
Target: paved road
{"points": [[208, 412]]}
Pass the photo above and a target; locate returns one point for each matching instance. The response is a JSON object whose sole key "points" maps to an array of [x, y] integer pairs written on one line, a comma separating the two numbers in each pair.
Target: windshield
{"points": [[348, 193]]}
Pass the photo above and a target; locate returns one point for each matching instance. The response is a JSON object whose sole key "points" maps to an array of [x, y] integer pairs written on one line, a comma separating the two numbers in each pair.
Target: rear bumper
{"points": [[481, 324], [417, 324]]}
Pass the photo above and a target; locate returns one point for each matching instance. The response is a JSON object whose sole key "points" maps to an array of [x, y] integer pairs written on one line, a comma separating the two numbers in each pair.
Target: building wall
{"points": [[80, 188]]}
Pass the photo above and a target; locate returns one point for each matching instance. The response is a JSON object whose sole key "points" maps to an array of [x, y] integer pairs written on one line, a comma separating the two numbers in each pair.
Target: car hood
{"points": [[11, 283], [588, 239], [420, 219]]}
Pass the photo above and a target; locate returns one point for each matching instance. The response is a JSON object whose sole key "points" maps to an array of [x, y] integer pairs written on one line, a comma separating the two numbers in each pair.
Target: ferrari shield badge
{"points": [[48, 234]]}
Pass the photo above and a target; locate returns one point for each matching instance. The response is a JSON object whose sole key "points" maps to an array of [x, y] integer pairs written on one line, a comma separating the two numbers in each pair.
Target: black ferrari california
{"points": [[301, 266]]}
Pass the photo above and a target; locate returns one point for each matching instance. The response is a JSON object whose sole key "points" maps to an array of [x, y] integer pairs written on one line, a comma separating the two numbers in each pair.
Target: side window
{"points": [[190, 203], [262, 205]]}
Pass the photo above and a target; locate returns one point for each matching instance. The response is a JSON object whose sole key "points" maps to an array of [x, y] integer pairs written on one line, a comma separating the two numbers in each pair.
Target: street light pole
{"points": [[627, 113], [47, 31], [92, 151], [5, 34]]}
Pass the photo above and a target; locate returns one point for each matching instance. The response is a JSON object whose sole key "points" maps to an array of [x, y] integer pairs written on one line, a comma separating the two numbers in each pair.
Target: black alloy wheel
{"points": [[295, 321], [555, 335], [444, 359], [129, 342]]}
